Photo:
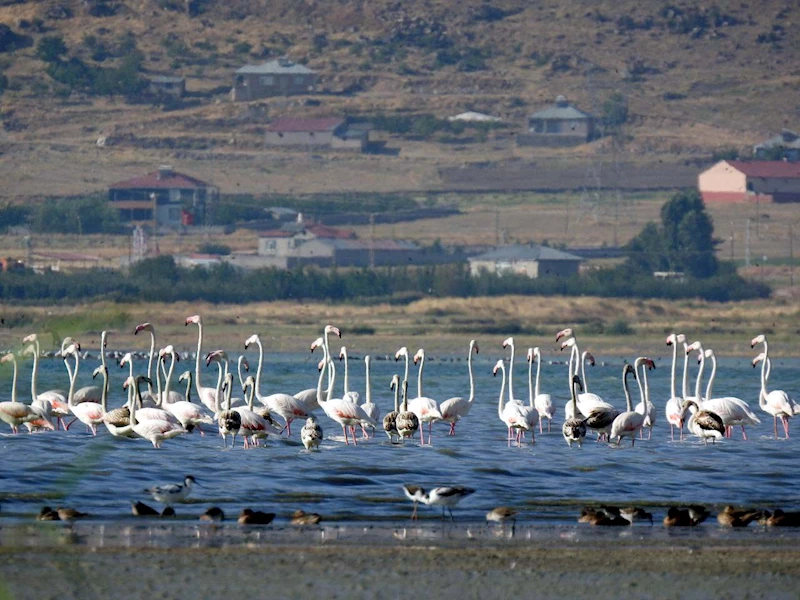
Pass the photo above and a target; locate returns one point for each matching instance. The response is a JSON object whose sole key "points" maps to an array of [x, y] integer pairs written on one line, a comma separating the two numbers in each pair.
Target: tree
{"points": [[615, 111], [51, 48]]}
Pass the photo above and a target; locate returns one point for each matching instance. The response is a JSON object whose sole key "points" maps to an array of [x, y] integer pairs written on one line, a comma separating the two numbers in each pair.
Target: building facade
{"points": [[530, 260], [327, 132], [165, 196], [279, 77], [559, 125], [757, 181]]}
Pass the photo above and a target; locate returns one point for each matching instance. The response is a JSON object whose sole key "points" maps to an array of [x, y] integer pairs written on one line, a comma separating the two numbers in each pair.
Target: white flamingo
{"points": [[229, 420], [647, 407], [587, 401], [350, 395], [627, 424], [703, 423], [253, 425], [426, 409], [91, 393], [776, 403], [542, 402], [674, 406], [511, 414], [309, 396], [88, 413], [286, 406], [455, 409], [390, 419], [574, 429], [528, 411], [733, 411], [13, 412], [188, 414], [369, 407], [207, 395], [52, 402]]}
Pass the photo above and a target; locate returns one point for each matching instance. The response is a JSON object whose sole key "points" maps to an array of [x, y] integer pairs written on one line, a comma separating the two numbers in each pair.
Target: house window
{"points": [[537, 126], [266, 80], [553, 127], [270, 247]]}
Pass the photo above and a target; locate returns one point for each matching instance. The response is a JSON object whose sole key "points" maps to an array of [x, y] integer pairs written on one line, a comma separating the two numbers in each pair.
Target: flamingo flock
{"points": [[241, 409]]}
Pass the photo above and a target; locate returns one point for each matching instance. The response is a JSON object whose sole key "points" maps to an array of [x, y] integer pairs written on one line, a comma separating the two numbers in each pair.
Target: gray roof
{"points": [[524, 252], [166, 79], [561, 110], [272, 67]]}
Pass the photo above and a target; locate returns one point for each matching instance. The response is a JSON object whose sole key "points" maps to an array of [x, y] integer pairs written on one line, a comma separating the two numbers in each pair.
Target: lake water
{"points": [[548, 480]]}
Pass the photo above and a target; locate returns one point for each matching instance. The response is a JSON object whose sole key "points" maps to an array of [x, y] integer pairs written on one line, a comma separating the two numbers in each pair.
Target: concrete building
{"points": [[172, 198], [327, 132], [530, 260], [164, 85], [758, 181], [559, 125], [279, 77], [786, 143]]}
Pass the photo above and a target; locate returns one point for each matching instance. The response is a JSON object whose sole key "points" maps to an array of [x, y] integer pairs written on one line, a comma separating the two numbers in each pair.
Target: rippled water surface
{"points": [[548, 480]]}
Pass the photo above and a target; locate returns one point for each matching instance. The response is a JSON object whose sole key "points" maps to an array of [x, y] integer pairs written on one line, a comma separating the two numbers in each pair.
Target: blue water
{"points": [[548, 480]]}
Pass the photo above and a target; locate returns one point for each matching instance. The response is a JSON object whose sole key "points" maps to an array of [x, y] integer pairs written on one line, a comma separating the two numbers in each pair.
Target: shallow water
{"points": [[548, 480]]}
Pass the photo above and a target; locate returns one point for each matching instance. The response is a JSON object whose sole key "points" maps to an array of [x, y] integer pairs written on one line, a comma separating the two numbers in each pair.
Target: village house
{"points": [[279, 77], [757, 181], [785, 145], [526, 259], [559, 125], [326, 132], [167, 86], [166, 196]]}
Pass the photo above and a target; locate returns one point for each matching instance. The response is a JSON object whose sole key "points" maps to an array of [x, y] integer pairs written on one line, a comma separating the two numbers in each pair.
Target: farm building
{"points": [[279, 77], [559, 125], [531, 260], [784, 145], [175, 199], [327, 132], [757, 181]]}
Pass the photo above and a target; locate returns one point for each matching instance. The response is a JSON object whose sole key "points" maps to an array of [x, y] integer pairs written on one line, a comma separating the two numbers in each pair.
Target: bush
{"points": [[51, 48], [214, 248], [75, 215]]}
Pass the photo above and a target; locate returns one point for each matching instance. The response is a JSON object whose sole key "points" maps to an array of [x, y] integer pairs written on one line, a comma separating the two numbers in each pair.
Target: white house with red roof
{"points": [[756, 181], [324, 132], [173, 198]]}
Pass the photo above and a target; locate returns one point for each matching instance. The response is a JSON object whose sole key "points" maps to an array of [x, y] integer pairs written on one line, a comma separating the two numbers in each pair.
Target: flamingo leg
{"points": [[775, 426], [744, 433], [346, 441], [533, 437], [421, 434], [430, 432], [353, 435], [75, 419], [672, 432], [549, 421], [453, 428], [540, 425]]}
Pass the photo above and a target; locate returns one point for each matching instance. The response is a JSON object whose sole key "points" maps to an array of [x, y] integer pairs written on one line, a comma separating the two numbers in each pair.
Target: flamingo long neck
{"points": [[511, 374], [326, 342], [73, 375], [239, 364], [674, 367], [150, 361], [685, 371], [168, 378], [397, 397], [626, 388], [574, 396], [500, 403], [346, 372], [405, 375], [368, 386], [137, 399], [197, 371], [638, 381], [419, 375], [571, 368], [538, 358], [14, 381], [104, 393], [762, 397], [219, 398], [471, 376], [699, 383], [530, 380], [332, 380], [405, 395], [250, 392], [583, 372], [188, 394], [260, 365], [710, 384], [35, 371], [160, 396]]}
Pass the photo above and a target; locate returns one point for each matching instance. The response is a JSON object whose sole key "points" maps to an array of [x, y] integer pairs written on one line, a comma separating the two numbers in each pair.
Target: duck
{"points": [[70, 514], [214, 513], [732, 517], [47, 514], [255, 517], [301, 518]]}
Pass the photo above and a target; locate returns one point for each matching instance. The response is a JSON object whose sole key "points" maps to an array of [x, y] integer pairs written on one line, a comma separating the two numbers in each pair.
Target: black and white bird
{"points": [[416, 494], [311, 434], [445, 496], [172, 492]]}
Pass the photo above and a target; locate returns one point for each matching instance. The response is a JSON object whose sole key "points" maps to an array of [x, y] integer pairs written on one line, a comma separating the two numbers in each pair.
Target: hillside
{"points": [[696, 80]]}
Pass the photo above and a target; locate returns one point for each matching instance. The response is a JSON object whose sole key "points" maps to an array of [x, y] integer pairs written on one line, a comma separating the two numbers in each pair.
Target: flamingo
{"points": [[390, 420], [777, 402], [188, 414], [229, 420], [703, 423], [602, 419], [673, 407], [349, 395], [426, 409], [369, 407], [511, 414], [309, 396], [92, 393], [156, 431], [733, 411], [455, 409], [15, 413], [253, 425], [629, 422], [51, 402], [543, 402], [151, 355], [407, 422], [574, 429], [117, 421], [88, 413], [286, 406], [587, 401], [207, 395], [647, 407], [345, 413]]}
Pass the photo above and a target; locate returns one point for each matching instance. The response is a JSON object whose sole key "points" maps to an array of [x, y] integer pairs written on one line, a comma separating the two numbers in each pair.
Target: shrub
{"points": [[214, 248], [51, 48]]}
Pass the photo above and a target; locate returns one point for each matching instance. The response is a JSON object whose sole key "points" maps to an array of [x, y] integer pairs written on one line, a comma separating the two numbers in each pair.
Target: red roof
{"points": [[167, 181], [276, 233], [323, 231], [767, 168], [293, 124]]}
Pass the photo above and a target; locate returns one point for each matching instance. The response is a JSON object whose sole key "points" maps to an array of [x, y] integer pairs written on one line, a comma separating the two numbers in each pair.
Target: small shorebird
{"points": [[172, 492], [634, 513], [502, 514], [70, 514], [780, 518], [446, 497], [416, 494], [255, 517], [605, 516], [311, 433], [213, 514], [47, 514], [300, 518]]}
